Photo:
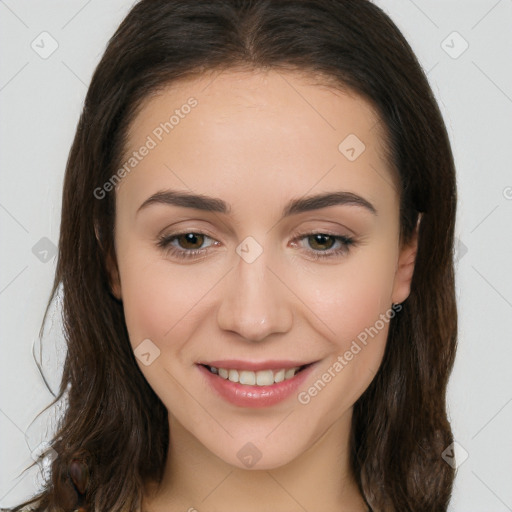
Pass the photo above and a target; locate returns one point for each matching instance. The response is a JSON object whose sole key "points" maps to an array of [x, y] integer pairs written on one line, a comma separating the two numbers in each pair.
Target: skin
{"points": [[257, 140]]}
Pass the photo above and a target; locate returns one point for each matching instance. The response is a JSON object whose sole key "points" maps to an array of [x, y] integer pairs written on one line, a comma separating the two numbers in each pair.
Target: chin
{"points": [[256, 455]]}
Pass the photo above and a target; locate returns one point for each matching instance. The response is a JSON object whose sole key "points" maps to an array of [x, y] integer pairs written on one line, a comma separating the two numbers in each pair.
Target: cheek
{"points": [[161, 301], [355, 309], [350, 298]]}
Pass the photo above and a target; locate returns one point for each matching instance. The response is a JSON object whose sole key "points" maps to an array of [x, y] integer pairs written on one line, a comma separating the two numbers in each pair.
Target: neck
{"points": [[196, 479]]}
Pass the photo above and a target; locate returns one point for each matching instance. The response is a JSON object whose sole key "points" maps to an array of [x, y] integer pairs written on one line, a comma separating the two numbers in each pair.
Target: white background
{"points": [[40, 102]]}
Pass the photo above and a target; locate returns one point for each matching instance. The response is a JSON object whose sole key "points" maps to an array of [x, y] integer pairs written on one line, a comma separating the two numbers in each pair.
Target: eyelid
{"points": [[334, 231], [175, 229]]}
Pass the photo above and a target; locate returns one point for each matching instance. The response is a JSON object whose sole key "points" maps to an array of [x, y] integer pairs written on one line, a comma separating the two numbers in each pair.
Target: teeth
{"points": [[279, 376], [289, 373], [264, 378], [246, 377], [260, 378]]}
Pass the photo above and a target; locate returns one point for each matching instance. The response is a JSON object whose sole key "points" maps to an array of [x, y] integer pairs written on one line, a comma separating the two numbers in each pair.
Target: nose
{"points": [[255, 302]]}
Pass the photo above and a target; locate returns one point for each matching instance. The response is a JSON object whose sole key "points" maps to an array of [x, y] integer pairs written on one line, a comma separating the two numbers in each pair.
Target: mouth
{"points": [[263, 377], [253, 384]]}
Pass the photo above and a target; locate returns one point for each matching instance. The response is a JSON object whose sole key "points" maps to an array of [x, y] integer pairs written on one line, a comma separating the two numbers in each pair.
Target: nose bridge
{"points": [[255, 303]]}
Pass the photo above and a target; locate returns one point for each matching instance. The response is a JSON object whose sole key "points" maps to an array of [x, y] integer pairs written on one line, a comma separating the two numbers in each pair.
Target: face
{"points": [[258, 257]]}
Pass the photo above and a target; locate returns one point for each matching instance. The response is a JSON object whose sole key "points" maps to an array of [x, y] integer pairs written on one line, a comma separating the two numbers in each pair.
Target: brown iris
{"points": [[191, 240], [321, 242]]}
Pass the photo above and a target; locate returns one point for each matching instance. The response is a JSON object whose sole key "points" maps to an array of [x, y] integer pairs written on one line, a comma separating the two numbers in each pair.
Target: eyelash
{"points": [[346, 241]]}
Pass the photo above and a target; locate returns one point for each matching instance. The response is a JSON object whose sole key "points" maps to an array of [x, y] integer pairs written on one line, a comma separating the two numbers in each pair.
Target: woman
{"points": [[256, 261]]}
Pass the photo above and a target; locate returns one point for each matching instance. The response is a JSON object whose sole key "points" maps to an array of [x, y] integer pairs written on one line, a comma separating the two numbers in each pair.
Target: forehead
{"points": [[241, 127], [232, 97]]}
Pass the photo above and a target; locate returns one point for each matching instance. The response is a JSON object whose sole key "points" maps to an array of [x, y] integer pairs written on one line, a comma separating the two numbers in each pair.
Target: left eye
{"points": [[190, 240], [325, 245]]}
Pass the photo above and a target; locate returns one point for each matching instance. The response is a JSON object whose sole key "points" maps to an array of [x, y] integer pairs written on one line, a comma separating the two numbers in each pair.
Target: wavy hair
{"points": [[113, 435]]}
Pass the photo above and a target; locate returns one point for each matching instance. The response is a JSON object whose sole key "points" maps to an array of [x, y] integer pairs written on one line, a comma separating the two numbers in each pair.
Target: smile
{"points": [[255, 385], [259, 378]]}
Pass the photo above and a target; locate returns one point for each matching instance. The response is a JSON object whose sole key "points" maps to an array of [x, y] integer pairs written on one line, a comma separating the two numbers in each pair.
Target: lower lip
{"points": [[243, 395]]}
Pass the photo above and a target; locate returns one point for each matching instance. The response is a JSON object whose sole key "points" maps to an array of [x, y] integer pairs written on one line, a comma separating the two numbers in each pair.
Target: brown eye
{"points": [[190, 240], [321, 242], [186, 245]]}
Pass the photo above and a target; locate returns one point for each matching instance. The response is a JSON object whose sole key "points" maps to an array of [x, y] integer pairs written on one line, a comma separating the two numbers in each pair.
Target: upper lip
{"points": [[255, 366]]}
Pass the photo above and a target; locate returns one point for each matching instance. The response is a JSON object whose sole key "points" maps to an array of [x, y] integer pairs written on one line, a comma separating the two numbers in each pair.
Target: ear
{"points": [[112, 268], [113, 274], [405, 267]]}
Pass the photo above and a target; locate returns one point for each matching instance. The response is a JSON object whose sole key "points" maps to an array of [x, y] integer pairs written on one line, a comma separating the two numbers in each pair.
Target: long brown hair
{"points": [[113, 436]]}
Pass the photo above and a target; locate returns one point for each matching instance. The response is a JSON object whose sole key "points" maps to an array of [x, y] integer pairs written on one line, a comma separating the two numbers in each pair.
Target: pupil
{"points": [[321, 241], [191, 239]]}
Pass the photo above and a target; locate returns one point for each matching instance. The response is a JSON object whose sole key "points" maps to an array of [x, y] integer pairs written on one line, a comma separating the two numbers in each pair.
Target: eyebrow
{"points": [[293, 207]]}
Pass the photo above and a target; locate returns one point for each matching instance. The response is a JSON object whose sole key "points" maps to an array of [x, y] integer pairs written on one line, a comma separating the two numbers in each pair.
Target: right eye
{"points": [[185, 245]]}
